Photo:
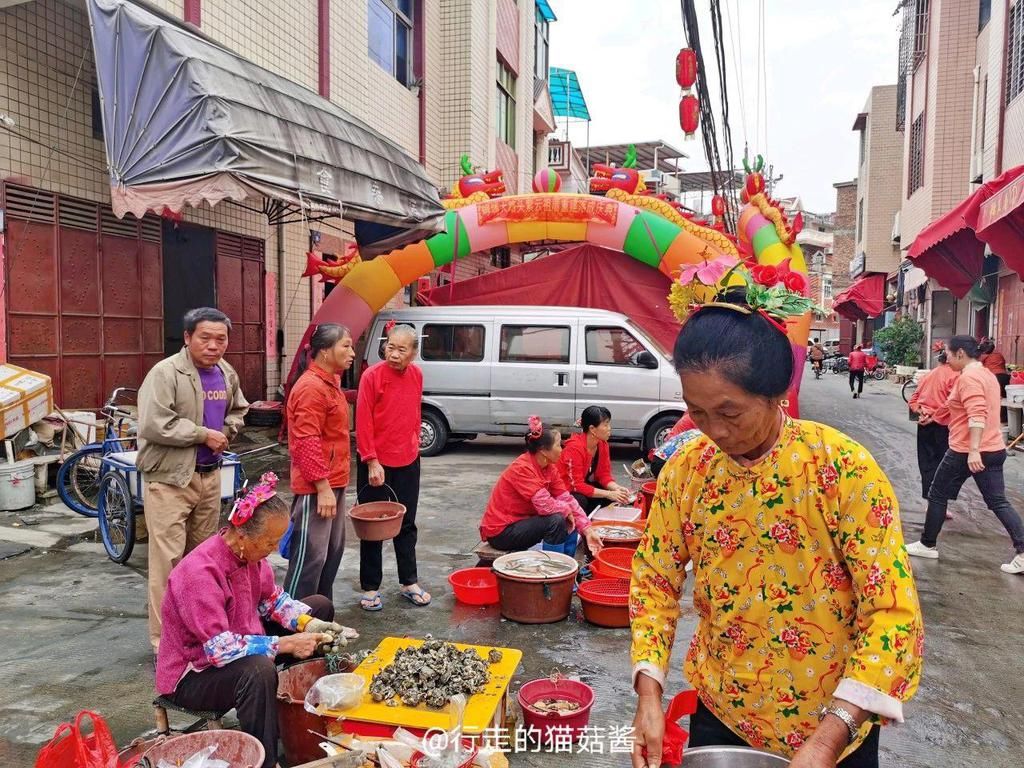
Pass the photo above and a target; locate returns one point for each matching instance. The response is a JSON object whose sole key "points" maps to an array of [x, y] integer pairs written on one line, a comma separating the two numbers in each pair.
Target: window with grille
{"points": [[920, 30], [915, 175], [501, 257], [506, 105], [1015, 53], [389, 28]]}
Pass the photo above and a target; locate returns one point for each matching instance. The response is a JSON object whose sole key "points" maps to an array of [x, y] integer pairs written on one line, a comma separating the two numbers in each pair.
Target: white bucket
{"points": [[17, 485], [1015, 393]]}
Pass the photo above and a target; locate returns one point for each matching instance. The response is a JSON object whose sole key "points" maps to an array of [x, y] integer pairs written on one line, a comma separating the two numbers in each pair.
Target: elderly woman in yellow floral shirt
{"points": [[810, 632]]}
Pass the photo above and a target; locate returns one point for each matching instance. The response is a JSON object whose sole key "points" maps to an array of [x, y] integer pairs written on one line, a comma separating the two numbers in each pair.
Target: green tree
{"points": [[900, 342]]}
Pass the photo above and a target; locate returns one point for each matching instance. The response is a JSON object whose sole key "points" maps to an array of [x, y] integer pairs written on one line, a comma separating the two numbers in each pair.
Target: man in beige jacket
{"points": [[190, 407]]}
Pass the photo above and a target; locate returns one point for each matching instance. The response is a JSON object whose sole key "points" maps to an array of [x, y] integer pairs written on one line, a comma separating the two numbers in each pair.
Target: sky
{"points": [[821, 59]]}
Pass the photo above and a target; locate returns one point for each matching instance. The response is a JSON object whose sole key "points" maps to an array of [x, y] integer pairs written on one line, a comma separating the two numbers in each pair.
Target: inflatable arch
{"points": [[632, 227]]}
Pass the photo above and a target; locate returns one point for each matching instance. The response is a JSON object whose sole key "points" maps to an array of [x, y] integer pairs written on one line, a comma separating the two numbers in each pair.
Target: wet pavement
{"points": [[75, 635]]}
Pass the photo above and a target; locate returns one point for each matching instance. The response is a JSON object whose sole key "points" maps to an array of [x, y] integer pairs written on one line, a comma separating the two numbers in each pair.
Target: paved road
{"points": [[75, 631]]}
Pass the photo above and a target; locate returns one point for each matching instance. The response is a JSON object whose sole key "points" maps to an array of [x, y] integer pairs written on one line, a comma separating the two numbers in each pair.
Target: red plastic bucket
{"points": [[546, 726], [647, 491], [475, 586], [237, 749]]}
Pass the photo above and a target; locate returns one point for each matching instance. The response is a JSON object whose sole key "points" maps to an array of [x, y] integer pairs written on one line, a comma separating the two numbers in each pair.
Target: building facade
{"points": [[844, 247], [94, 301]]}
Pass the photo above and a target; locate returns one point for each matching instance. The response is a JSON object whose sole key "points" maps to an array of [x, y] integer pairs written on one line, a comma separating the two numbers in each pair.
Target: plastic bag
{"points": [[674, 740], [286, 541], [334, 692], [442, 750], [200, 759], [71, 748]]}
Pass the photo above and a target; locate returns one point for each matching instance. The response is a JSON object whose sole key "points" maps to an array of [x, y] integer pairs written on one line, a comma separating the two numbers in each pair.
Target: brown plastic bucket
{"points": [[237, 749], [294, 722], [533, 601], [377, 520]]}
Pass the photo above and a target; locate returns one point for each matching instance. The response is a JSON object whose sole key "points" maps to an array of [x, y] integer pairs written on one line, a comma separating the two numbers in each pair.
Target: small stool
{"points": [[486, 554], [163, 727]]}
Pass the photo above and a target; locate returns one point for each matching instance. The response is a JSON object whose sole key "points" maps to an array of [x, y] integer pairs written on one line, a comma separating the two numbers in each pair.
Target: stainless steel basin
{"points": [[730, 757]]}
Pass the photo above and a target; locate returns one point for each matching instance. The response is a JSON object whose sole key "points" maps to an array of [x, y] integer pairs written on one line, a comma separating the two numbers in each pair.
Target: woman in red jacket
{"points": [[586, 464], [318, 439]]}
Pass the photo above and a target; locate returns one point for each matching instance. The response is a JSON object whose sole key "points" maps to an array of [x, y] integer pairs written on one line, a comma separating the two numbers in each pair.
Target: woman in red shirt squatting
{"points": [[388, 413], [530, 504], [318, 436], [586, 466]]}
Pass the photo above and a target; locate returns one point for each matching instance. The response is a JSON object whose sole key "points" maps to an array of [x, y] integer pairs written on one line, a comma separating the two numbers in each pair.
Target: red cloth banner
{"points": [[548, 208]]}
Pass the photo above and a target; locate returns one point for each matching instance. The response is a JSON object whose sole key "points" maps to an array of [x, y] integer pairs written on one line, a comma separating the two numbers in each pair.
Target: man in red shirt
{"points": [[388, 413], [858, 362]]}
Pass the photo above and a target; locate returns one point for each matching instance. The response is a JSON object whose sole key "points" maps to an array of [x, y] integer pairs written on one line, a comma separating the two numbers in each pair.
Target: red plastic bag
{"points": [[71, 747], [684, 703]]}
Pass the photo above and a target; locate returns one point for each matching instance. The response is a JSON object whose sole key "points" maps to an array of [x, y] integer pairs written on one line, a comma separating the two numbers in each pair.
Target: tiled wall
{"points": [[991, 53], [944, 85], [843, 245], [880, 182]]}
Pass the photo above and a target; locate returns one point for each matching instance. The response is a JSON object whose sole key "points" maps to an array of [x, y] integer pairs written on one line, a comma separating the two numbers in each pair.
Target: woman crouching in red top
{"points": [[530, 504], [586, 466], [318, 438]]}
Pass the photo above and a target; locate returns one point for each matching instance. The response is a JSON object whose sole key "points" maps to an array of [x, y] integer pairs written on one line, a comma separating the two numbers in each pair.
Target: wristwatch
{"points": [[846, 717]]}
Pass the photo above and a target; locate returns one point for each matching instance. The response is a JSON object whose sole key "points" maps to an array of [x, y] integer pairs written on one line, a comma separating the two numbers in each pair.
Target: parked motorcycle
{"points": [[840, 364]]}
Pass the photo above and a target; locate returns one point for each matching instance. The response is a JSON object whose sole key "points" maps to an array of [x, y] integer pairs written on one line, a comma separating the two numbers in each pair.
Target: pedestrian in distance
{"points": [[992, 359], [817, 355], [190, 408], [858, 362], [388, 412], [976, 449], [318, 441]]}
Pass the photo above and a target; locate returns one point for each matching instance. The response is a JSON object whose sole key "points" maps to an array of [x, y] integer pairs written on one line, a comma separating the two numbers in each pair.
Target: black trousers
{"points": [[1003, 379], [932, 444], [247, 685], [706, 730], [551, 529], [589, 503], [950, 477], [405, 482], [857, 376]]}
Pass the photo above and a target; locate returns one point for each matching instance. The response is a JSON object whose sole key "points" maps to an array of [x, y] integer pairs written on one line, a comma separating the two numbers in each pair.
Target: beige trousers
{"points": [[179, 520]]}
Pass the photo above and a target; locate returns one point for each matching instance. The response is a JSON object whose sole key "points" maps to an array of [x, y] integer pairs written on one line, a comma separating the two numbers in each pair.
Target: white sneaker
{"points": [[917, 549], [1014, 566]]}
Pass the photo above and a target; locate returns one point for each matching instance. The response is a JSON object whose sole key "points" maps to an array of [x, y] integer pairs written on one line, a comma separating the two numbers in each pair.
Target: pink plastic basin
{"points": [[550, 724]]}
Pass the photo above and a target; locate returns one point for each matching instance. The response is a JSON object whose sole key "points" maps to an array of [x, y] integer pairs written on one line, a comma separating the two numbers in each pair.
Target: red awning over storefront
{"points": [[862, 300], [952, 248], [1001, 220]]}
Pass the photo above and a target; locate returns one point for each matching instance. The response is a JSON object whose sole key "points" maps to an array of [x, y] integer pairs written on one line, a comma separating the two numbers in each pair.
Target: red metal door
{"points": [[85, 302], [240, 295]]}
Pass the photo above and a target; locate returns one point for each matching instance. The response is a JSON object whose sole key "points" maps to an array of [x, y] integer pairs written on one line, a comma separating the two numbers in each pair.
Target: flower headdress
{"points": [[389, 326], [536, 427], [243, 509], [775, 292]]}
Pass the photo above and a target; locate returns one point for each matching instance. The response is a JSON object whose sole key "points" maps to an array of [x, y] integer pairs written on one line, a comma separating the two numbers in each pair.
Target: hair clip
{"points": [[244, 508], [536, 427], [389, 326]]}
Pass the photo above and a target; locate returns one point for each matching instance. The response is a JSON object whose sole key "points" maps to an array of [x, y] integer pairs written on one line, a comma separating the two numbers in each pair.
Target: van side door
{"points": [[618, 371], [457, 372], [533, 374]]}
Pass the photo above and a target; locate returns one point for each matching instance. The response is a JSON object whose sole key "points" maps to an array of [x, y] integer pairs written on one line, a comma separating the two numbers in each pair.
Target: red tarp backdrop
{"points": [[581, 276]]}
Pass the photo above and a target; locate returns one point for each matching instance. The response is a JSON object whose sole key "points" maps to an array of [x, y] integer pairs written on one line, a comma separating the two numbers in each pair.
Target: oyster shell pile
{"points": [[431, 674]]}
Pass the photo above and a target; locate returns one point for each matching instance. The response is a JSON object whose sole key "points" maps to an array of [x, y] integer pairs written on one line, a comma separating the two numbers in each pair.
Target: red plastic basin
{"points": [[475, 586], [549, 725], [616, 562]]}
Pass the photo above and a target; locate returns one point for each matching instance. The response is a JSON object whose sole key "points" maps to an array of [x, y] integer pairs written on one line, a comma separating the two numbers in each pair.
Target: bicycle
{"points": [[78, 479]]}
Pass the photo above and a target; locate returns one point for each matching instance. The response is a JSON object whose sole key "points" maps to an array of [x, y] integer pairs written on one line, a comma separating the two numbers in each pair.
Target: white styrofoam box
{"points": [[25, 398]]}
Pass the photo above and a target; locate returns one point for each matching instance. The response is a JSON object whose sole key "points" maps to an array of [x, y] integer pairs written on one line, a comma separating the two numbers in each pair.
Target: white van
{"points": [[487, 369]]}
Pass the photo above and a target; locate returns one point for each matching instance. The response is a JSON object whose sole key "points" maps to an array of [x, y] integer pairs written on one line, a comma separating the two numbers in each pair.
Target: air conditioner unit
{"points": [[896, 228], [653, 175]]}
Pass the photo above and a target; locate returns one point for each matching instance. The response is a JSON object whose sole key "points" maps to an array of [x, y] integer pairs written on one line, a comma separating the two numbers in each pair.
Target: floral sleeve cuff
{"points": [[870, 699], [226, 647], [283, 609], [653, 671]]}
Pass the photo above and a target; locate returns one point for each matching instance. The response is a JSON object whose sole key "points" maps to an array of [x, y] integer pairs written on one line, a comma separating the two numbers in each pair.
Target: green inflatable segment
{"points": [[764, 237], [649, 237], [442, 246]]}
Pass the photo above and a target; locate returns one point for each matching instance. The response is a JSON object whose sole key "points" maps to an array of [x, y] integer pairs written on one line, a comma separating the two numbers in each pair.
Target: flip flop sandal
{"points": [[416, 597], [372, 604]]}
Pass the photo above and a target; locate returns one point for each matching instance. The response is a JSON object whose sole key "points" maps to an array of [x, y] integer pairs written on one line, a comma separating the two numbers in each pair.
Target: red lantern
{"points": [[689, 114], [718, 205], [686, 68]]}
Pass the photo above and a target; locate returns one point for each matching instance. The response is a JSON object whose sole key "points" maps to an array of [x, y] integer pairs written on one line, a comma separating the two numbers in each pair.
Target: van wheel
{"points": [[657, 432], [433, 433]]}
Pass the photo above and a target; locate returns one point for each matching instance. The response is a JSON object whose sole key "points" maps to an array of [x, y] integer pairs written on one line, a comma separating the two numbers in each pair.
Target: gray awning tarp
{"points": [[187, 121]]}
